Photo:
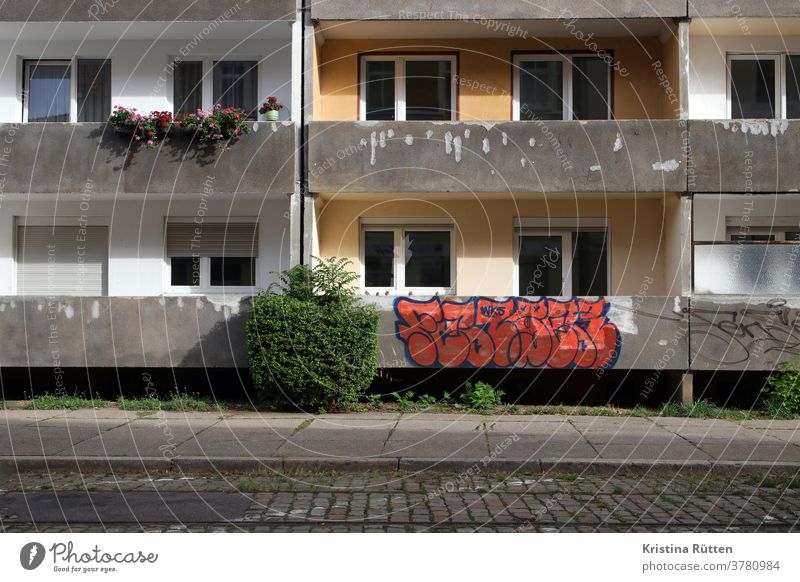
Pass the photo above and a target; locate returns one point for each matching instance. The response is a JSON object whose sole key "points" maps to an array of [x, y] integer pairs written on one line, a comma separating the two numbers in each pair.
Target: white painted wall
{"points": [[140, 69], [710, 211], [136, 253], [708, 79]]}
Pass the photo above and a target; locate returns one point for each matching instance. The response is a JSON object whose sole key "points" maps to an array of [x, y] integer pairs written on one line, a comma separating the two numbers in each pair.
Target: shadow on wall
{"points": [[179, 146]]}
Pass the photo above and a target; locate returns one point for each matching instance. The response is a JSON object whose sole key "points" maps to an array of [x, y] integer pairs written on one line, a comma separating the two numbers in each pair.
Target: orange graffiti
{"points": [[513, 333]]}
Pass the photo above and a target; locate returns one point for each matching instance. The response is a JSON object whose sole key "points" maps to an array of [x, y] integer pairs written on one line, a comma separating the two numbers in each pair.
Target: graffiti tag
{"points": [[512, 333]]}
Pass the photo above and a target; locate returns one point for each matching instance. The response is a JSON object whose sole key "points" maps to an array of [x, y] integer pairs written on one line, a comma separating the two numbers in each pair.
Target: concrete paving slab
{"points": [[355, 448], [736, 451], [137, 439], [227, 444], [670, 452], [534, 447], [438, 444], [29, 416], [104, 413], [44, 440], [772, 424]]}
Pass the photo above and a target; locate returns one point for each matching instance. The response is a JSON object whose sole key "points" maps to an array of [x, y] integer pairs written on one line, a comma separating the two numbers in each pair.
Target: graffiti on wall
{"points": [[731, 335], [512, 333]]}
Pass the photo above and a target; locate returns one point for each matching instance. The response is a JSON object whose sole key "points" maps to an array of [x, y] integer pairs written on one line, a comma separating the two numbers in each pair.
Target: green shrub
{"points": [[481, 396], [782, 391], [310, 342]]}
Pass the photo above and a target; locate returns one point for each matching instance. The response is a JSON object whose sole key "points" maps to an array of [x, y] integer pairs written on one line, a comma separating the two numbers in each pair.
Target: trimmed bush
{"points": [[310, 342], [782, 391]]}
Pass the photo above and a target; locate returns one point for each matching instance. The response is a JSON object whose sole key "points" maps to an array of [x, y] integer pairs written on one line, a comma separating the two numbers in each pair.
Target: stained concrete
{"points": [[493, 9], [754, 333], [749, 8], [74, 158], [519, 156], [654, 332], [757, 155], [123, 332], [158, 10]]}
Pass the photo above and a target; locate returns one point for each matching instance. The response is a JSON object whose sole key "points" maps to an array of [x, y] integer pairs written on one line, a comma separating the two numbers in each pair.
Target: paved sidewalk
{"points": [[97, 440]]}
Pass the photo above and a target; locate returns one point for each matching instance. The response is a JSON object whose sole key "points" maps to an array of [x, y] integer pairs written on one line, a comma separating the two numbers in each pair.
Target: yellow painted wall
{"points": [[486, 74], [484, 235]]}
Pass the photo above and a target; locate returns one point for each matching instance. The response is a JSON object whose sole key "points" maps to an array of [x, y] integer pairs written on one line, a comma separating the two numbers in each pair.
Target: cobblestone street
{"points": [[326, 502]]}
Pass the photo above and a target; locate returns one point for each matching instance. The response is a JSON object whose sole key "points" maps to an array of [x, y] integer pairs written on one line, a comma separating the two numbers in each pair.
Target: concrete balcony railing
{"points": [[744, 332], [63, 158], [752, 8], [495, 10], [519, 156], [123, 332], [159, 11], [752, 155], [621, 333]]}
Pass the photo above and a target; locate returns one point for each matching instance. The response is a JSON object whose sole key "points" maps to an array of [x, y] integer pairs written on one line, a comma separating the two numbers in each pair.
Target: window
{"points": [[403, 258], [94, 90], [764, 86], [236, 85], [48, 91], [776, 233], [203, 83], [561, 87], [211, 255], [62, 260], [562, 262], [188, 86], [411, 87], [48, 94]]}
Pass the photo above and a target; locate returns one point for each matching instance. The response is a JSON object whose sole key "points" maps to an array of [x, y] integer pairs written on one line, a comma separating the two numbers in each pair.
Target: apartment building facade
{"points": [[597, 187]]}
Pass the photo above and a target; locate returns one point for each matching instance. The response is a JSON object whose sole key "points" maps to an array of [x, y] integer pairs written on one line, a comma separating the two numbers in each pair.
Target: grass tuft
{"points": [[53, 402]]}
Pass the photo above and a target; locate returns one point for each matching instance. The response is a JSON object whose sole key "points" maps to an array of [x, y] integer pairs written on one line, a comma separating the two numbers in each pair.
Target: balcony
{"points": [[57, 158], [124, 332], [751, 9], [628, 333], [530, 156], [494, 10], [126, 11], [753, 155]]}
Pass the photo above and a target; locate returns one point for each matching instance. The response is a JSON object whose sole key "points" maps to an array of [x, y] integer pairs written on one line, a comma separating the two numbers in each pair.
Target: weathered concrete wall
{"points": [[744, 156], [642, 333], [638, 333], [189, 332], [72, 158], [494, 9], [128, 11], [521, 156], [753, 8], [736, 333]]}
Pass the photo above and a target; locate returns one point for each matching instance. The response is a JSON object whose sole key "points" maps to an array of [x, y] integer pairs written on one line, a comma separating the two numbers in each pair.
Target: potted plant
{"points": [[224, 126], [148, 129], [270, 108]]}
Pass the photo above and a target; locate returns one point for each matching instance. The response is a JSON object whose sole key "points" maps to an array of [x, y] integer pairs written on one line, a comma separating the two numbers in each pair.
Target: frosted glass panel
{"points": [[747, 269]]}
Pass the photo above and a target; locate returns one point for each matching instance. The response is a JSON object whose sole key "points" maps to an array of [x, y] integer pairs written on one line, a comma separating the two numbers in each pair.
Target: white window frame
{"points": [[400, 82], [207, 86], [779, 58], [400, 227], [73, 82], [761, 225], [566, 79], [563, 227], [205, 287]]}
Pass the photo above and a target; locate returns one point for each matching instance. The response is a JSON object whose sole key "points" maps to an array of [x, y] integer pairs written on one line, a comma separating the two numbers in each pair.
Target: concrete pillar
{"points": [[687, 388], [683, 77], [687, 238]]}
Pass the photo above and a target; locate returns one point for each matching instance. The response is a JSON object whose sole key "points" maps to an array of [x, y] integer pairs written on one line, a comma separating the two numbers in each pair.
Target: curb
{"points": [[29, 464]]}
